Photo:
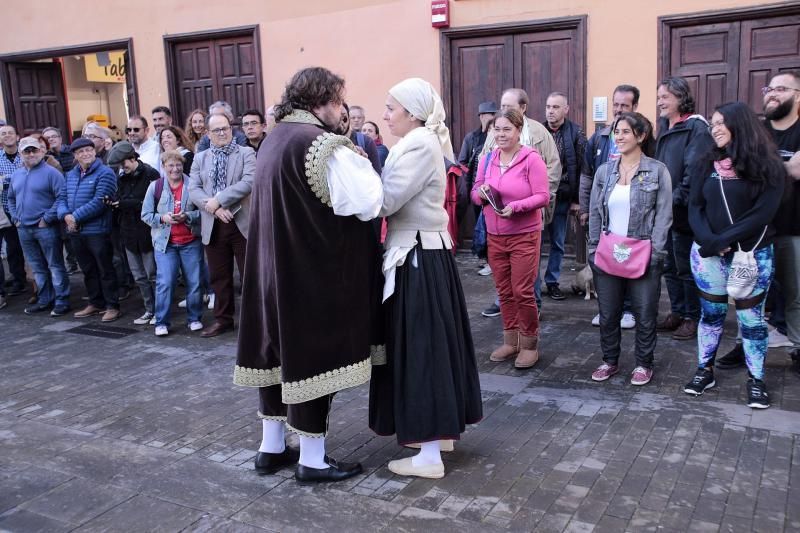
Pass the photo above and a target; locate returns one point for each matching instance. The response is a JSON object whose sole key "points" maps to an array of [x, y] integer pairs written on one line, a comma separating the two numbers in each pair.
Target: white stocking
{"points": [[272, 436], [312, 452], [429, 454]]}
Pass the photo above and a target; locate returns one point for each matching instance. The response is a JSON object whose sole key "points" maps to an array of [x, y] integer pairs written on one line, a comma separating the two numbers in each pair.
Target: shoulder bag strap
{"points": [[727, 209]]}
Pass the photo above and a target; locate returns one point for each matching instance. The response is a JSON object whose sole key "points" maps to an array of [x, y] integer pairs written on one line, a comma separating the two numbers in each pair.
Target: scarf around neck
{"points": [[724, 168], [219, 169]]}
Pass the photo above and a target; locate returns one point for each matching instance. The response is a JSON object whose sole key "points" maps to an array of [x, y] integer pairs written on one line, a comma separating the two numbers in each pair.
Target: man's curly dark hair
{"points": [[308, 89]]}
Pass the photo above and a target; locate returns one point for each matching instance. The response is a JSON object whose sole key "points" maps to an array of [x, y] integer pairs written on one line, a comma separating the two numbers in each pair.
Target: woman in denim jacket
{"points": [[175, 223], [631, 196]]}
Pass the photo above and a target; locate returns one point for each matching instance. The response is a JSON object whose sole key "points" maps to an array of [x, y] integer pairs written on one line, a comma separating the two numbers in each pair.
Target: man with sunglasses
{"points": [[147, 148]]}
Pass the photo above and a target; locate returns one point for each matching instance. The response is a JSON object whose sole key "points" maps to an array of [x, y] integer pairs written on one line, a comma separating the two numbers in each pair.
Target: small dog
{"points": [[584, 283]]}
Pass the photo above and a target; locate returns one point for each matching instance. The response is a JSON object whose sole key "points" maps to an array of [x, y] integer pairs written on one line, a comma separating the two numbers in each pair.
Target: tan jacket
{"points": [[241, 169], [537, 137]]}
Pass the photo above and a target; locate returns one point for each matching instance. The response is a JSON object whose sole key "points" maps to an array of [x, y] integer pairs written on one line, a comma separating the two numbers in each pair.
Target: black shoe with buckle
{"points": [[757, 396], [269, 463]]}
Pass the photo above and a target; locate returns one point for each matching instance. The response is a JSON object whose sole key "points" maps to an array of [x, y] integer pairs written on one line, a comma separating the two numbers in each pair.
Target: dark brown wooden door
{"points": [[729, 61], [216, 69], [480, 68], [37, 93]]}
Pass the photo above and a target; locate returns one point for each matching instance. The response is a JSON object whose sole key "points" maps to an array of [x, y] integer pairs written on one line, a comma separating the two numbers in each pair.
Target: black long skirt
{"points": [[429, 387]]}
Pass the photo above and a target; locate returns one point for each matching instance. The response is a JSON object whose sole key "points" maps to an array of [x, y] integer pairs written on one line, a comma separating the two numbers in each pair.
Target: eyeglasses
{"points": [[221, 131], [174, 166], [714, 125], [92, 137], [30, 150], [780, 89], [134, 130], [251, 123]]}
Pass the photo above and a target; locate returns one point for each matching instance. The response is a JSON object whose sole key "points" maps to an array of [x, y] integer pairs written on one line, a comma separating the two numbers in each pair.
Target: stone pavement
{"points": [[144, 434]]}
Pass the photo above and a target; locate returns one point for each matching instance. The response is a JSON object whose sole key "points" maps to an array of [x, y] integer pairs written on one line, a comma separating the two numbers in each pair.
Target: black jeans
{"points": [[95, 257], [644, 294], [16, 259], [682, 289]]}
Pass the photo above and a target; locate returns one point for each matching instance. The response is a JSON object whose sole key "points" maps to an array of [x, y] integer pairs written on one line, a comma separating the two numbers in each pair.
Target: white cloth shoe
{"points": [[195, 326], [776, 339], [144, 319], [211, 298], [596, 320], [627, 321], [182, 304], [485, 271], [162, 331], [405, 467]]}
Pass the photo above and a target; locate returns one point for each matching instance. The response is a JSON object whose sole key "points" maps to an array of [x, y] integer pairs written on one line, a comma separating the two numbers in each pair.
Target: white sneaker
{"points": [[144, 319], [778, 339], [195, 326], [182, 304], [596, 320], [627, 321], [162, 331], [212, 298], [485, 271], [153, 321]]}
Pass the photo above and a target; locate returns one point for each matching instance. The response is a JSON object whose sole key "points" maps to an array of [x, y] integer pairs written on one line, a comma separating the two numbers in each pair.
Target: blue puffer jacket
{"points": [[83, 198]]}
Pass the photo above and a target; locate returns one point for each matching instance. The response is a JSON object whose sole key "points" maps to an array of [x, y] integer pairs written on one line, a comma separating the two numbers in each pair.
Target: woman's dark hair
{"points": [[681, 90], [751, 148], [377, 130], [308, 89], [513, 116], [180, 136], [640, 126]]}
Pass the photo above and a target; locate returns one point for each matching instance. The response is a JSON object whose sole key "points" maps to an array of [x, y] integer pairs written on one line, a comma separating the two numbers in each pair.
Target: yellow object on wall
{"points": [[108, 67]]}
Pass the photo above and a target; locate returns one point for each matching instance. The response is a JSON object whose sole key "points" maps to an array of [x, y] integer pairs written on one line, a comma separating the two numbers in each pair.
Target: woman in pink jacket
{"points": [[512, 187]]}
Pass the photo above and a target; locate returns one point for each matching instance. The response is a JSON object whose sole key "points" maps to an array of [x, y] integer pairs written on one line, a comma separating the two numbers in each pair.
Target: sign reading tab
{"points": [[440, 13]]}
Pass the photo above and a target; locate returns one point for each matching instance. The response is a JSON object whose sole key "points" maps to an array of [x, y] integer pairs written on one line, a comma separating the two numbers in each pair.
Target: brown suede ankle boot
{"points": [[528, 352], [509, 348]]}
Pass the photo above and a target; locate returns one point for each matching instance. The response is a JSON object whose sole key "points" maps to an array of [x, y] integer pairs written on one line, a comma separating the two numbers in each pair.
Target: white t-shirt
{"points": [[619, 209]]}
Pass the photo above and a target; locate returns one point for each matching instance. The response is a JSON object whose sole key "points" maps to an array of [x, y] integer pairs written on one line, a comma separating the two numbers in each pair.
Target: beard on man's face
{"points": [[779, 111]]}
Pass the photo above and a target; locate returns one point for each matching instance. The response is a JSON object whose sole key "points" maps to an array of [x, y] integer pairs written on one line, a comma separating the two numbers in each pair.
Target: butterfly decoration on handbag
{"points": [[621, 252]]}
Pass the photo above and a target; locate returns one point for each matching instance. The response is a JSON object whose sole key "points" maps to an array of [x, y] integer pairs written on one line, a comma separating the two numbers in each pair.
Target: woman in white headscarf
{"points": [[427, 390]]}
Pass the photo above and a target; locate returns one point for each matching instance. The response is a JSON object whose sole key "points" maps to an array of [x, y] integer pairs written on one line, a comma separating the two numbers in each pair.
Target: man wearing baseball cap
{"points": [[32, 196], [82, 206]]}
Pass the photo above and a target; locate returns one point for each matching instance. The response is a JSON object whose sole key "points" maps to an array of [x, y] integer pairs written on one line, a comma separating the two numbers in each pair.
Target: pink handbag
{"points": [[622, 256]]}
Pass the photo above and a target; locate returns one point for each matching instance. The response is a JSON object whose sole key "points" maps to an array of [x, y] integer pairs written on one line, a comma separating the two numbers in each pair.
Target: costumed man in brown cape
{"points": [[312, 276]]}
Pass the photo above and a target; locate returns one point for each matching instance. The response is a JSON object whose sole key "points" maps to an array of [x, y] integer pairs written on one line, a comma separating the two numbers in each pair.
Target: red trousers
{"points": [[515, 262]]}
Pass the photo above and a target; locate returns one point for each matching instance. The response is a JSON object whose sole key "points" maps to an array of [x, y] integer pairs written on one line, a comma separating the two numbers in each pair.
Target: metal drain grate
{"points": [[105, 332]]}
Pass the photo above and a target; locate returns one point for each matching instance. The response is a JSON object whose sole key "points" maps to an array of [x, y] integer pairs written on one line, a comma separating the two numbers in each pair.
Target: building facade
{"points": [[188, 54]]}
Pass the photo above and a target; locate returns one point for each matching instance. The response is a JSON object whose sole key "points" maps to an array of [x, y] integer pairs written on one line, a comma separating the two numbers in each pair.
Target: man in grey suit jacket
{"points": [[219, 184]]}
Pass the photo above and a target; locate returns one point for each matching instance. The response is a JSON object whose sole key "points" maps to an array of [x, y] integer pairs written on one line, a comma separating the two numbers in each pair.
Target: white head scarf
{"points": [[420, 99]]}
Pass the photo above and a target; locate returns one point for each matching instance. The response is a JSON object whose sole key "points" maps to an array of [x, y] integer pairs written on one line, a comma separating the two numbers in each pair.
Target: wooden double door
{"points": [[539, 58], [204, 69], [727, 60], [37, 96]]}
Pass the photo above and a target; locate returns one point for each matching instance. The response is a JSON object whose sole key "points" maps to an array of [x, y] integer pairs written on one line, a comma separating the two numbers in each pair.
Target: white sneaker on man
{"points": [[776, 339], [212, 298], [162, 331], [195, 326], [144, 319], [182, 304], [596, 320], [485, 271], [627, 321]]}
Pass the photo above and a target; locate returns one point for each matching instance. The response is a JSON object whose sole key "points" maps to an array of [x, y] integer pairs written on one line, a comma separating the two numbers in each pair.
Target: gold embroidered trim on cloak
{"points": [[317, 163], [256, 377], [377, 354], [301, 116], [262, 416], [305, 433], [327, 383]]}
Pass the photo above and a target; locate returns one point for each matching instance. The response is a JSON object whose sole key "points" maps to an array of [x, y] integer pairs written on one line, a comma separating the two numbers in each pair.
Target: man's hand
{"points": [[574, 209], [168, 219], [72, 225], [224, 215], [42, 223], [212, 204], [584, 219]]}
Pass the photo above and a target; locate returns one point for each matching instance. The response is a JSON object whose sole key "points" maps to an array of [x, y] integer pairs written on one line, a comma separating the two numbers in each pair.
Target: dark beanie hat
{"points": [[120, 152]]}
